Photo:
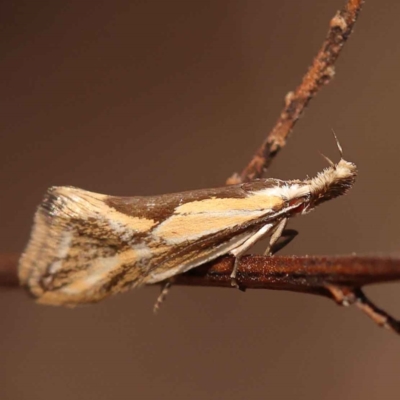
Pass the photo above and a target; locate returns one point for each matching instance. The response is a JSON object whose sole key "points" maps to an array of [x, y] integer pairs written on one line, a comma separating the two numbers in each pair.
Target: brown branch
{"points": [[338, 278], [8, 270], [319, 74]]}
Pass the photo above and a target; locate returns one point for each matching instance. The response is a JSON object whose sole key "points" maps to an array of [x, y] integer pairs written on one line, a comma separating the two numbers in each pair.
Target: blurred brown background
{"points": [[147, 97]]}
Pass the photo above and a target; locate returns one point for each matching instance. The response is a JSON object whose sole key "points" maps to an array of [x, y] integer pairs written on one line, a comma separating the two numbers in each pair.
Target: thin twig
{"points": [[309, 274], [8, 270], [319, 74], [338, 278], [376, 314]]}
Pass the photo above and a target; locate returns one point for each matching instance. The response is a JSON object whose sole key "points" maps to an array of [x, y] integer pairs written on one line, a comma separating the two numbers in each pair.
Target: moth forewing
{"points": [[86, 246]]}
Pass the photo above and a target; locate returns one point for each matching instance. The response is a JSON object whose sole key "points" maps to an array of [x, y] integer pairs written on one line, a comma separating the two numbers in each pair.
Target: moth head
{"points": [[333, 181]]}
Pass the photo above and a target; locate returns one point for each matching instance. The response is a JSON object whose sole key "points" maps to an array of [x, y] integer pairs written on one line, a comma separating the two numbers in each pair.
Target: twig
{"points": [[319, 74], [338, 278], [8, 270]]}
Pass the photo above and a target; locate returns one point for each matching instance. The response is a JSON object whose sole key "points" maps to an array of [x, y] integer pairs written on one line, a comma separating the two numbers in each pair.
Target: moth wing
{"points": [[78, 245], [200, 231], [86, 246]]}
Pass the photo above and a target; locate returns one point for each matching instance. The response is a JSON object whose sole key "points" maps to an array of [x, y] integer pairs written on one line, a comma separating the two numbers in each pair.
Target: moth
{"points": [[86, 246]]}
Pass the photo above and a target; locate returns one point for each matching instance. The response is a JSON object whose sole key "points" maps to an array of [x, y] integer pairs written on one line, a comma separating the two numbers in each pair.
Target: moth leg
{"points": [[162, 296], [275, 236], [240, 250], [287, 236]]}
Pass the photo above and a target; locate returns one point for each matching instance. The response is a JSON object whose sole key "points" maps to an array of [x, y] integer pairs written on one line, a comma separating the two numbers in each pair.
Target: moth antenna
{"points": [[331, 163], [338, 144]]}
